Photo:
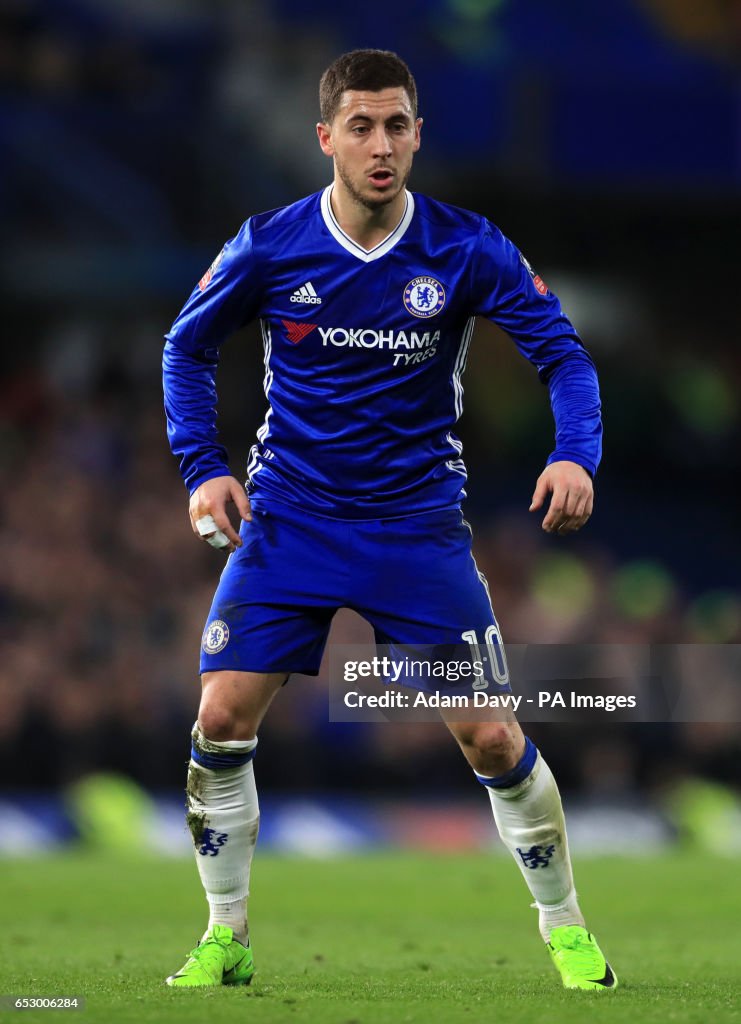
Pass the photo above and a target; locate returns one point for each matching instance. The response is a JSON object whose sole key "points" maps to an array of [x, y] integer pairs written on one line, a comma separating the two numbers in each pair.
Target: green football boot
{"points": [[218, 959], [579, 959]]}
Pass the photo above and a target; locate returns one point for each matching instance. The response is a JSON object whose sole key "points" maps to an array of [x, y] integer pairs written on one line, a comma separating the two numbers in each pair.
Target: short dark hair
{"points": [[370, 70]]}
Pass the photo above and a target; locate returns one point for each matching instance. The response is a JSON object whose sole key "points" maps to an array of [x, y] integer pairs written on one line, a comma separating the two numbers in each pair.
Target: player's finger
{"points": [[574, 498], [584, 513], [208, 529], [240, 499], [554, 519], [555, 516], [539, 494], [223, 523], [578, 515], [211, 522], [578, 519], [581, 504], [577, 509]]}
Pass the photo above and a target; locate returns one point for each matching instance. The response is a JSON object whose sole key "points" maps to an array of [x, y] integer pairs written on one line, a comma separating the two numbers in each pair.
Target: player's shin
{"points": [[223, 818], [528, 813]]}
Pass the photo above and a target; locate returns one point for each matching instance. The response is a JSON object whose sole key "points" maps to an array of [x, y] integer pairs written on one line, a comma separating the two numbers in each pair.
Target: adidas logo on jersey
{"points": [[307, 295]]}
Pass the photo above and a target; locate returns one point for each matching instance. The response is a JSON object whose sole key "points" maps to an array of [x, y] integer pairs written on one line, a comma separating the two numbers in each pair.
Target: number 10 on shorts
{"points": [[494, 655]]}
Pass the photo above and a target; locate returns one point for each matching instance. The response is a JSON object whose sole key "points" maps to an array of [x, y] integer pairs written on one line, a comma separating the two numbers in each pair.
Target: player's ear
{"points": [[324, 134], [417, 134]]}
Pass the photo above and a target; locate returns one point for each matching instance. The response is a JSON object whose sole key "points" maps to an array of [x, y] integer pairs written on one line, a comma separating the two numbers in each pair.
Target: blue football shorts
{"points": [[413, 579]]}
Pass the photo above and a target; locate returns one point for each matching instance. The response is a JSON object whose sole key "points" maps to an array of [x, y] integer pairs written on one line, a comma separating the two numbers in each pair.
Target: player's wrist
{"points": [[213, 474], [576, 459]]}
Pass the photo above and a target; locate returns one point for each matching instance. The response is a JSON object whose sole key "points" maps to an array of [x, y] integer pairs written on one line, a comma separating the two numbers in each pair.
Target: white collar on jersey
{"points": [[366, 255]]}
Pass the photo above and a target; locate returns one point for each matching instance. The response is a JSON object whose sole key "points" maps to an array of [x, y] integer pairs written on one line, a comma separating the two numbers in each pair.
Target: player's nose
{"points": [[381, 143]]}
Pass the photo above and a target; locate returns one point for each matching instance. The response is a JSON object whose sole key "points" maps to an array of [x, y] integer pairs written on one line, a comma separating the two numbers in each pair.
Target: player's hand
{"points": [[208, 515], [572, 497]]}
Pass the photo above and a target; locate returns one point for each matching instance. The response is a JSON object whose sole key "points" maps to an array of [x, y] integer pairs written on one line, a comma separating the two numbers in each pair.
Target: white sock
{"points": [[223, 818], [233, 914], [528, 813]]}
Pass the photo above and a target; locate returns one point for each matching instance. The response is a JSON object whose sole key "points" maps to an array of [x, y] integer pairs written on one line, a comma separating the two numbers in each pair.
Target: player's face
{"points": [[373, 139]]}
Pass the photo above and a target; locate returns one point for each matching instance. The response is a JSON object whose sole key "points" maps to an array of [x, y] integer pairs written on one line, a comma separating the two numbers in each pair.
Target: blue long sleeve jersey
{"points": [[364, 356]]}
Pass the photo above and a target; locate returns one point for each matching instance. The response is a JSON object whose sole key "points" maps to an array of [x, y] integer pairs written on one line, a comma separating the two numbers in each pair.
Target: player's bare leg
{"points": [[233, 704], [528, 813], [223, 811], [223, 818]]}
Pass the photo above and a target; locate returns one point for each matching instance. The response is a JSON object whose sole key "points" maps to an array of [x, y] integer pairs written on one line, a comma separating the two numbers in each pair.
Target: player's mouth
{"points": [[381, 177]]}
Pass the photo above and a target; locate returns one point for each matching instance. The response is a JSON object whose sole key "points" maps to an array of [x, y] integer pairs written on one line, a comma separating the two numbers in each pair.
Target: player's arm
{"points": [[507, 291], [223, 301]]}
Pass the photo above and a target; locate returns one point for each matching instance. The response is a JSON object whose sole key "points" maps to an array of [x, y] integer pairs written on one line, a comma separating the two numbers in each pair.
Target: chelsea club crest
{"points": [[424, 296], [215, 637]]}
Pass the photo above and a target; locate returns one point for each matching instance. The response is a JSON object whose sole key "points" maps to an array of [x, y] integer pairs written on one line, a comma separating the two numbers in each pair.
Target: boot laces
{"points": [[583, 954]]}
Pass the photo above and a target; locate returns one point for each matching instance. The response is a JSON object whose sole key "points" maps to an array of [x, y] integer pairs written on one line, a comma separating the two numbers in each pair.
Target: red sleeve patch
{"points": [[540, 285], [205, 280]]}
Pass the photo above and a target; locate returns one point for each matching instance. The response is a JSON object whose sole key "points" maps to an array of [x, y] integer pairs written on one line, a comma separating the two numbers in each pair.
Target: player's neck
{"points": [[366, 227]]}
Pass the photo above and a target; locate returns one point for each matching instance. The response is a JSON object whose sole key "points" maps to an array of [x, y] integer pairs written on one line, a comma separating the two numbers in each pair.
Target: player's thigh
{"points": [[233, 704]]}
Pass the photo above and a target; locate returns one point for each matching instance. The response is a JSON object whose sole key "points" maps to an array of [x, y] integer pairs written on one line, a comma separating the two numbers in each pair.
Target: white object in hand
{"points": [[208, 529]]}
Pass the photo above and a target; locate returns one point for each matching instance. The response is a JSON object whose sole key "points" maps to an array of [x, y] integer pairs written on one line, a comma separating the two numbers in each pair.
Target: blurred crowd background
{"points": [[135, 137]]}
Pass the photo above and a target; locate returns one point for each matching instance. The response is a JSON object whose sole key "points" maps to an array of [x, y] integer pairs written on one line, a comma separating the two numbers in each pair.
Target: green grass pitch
{"points": [[372, 939]]}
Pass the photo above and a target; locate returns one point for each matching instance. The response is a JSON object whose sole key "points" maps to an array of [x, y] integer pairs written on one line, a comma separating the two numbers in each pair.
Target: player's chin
{"points": [[375, 199]]}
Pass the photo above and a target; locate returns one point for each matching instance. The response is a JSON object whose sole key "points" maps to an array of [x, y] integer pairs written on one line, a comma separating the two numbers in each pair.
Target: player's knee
{"points": [[224, 714], [494, 743], [218, 722]]}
